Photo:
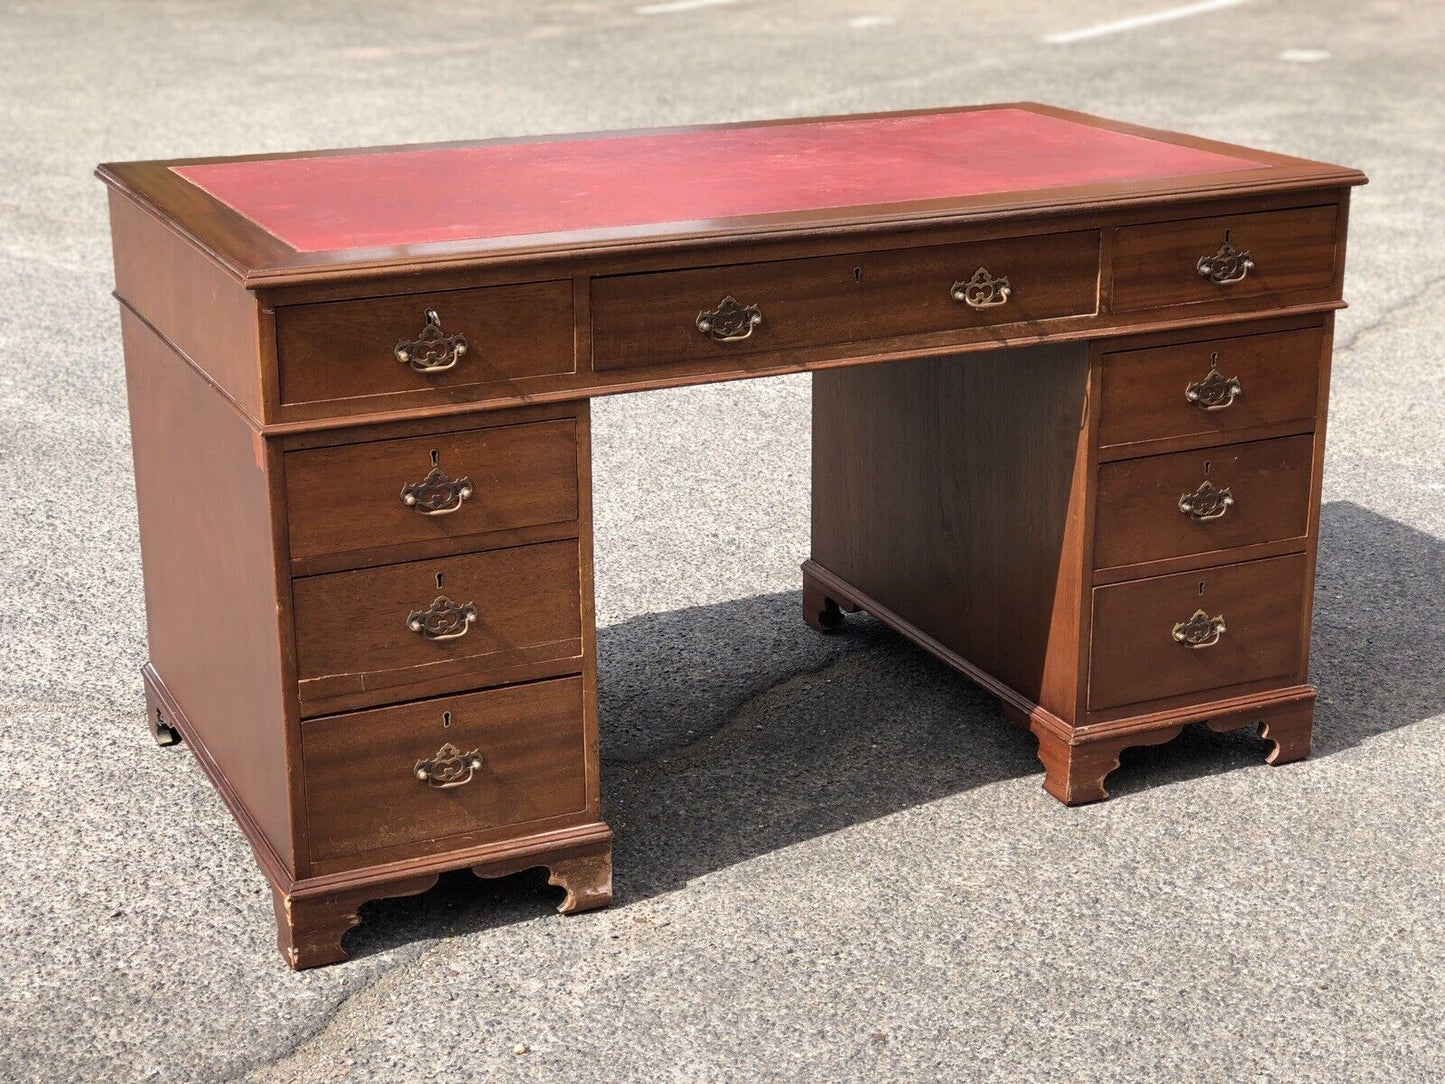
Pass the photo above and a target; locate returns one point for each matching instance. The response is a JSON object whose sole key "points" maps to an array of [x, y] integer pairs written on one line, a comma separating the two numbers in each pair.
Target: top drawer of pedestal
{"points": [[425, 348], [709, 314], [1266, 254]]}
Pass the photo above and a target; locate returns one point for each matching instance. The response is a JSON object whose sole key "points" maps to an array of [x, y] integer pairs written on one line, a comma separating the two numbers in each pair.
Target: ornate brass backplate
{"points": [[442, 620], [433, 351], [730, 322]]}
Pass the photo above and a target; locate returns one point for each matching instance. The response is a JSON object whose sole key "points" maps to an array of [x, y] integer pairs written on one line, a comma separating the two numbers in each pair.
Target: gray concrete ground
{"points": [[834, 861]]}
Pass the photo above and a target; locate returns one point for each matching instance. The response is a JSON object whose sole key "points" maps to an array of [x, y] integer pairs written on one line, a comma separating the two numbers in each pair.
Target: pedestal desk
{"points": [[1069, 396]]}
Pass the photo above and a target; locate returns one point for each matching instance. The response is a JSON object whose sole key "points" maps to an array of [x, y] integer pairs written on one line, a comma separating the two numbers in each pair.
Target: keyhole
{"points": [[1206, 468], [433, 457], [1201, 587], [857, 274], [446, 718], [1226, 236], [439, 581]]}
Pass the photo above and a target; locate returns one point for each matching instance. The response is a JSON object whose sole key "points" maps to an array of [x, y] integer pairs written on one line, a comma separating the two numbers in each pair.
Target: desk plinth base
{"points": [[309, 927], [1077, 760], [314, 914]]}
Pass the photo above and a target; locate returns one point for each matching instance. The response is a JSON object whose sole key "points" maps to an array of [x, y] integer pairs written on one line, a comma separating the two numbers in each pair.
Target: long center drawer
{"points": [[380, 635], [653, 319]]}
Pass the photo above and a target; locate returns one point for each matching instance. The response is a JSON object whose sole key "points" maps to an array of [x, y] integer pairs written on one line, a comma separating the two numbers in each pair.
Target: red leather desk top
{"points": [[437, 194]]}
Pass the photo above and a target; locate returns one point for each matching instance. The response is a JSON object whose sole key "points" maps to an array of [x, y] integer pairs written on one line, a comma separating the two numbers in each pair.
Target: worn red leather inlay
{"points": [[426, 195]]}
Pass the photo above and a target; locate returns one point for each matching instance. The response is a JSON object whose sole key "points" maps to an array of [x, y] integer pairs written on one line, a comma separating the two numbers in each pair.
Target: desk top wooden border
{"points": [[259, 259]]}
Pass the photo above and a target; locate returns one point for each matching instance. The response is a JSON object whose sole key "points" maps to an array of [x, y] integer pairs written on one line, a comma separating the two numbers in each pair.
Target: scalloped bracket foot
{"points": [[309, 929], [584, 873], [1074, 772]]}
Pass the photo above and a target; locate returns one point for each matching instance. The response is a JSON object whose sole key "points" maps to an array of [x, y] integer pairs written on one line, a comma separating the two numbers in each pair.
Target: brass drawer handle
{"points": [[450, 767], [983, 291], [436, 494], [730, 322], [433, 351], [1200, 630], [442, 620], [1206, 502], [1227, 265], [1216, 391]]}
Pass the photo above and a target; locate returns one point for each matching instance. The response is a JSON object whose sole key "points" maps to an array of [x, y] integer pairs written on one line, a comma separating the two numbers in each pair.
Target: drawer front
{"points": [[1198, 502], [380, 635], [1136, 657], [1160, 264], [1215, 386], [443, 486], [652, 319], [349, 349], [515, 755]]}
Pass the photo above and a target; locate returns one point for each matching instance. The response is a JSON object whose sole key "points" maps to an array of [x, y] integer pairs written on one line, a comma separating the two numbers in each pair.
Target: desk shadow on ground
{"points": [[733, 730]]}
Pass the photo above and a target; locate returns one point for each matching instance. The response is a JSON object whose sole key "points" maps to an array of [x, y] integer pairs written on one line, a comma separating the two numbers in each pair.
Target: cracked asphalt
{"points": [[834, 859]]}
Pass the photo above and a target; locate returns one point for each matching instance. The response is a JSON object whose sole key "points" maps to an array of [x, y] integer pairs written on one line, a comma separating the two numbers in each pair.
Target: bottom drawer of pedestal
{"points": [[1196, 631], [446, 767]]}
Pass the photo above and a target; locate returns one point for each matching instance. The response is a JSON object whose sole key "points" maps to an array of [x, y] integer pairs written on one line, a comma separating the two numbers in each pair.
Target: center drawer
{"points": [[418, 774], [1202, 501], [655, 318], [380, 635]]}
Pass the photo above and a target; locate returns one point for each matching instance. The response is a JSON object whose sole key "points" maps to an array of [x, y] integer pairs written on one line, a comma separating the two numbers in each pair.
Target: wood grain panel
{"points": [[1134, 657], [1138, 516], [346, 349], [348, 498], [210, 571], [1144, 390], [640, 320], [363, 794], [948, 490], [193, 301], [1156, 265], [354, 647]]}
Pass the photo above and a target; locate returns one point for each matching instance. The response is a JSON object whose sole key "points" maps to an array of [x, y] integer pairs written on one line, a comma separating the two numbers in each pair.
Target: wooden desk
{"points": [[1069, 401]]}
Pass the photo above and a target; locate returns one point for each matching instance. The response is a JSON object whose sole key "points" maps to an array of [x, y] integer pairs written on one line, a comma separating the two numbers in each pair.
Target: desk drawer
{"points": [[1213, 386], [1202, 501], [1136, 657], [354, 497], [380, 635], [1159, 264], [652, 319], [349, 349], [511, 756]]}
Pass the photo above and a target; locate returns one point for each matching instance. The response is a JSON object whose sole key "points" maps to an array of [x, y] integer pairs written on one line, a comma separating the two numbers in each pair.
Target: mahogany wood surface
{"points": [[203, 497], [1144, 390], [354, 646], [362, 792], [1157, 265], [1135, 658], [946, 488], [1004, 491], [641, 320], [1139, 517], [347, 349], [348, 498]]}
